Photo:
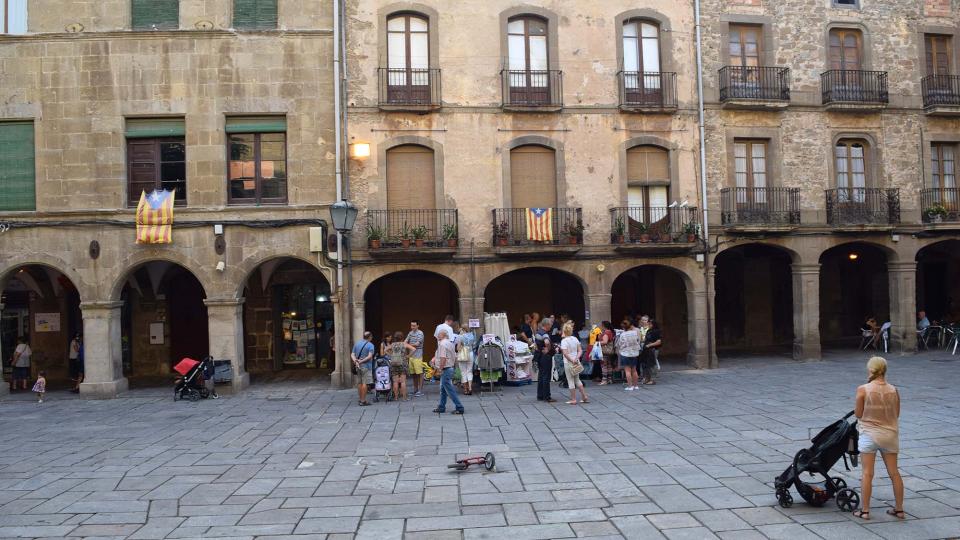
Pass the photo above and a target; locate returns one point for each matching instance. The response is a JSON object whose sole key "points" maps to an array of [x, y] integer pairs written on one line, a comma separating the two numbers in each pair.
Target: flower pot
{"points": [[619, 239], [691, 238], [374, 244], [451, 242], [502, 241], [573, 240], [664, 239], [936, 218], [418, 242], [644, 238], [405, 242]]}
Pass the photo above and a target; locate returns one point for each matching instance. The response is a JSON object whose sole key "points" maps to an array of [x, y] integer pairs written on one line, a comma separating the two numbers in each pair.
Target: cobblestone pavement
{"points": [[692, 457]]}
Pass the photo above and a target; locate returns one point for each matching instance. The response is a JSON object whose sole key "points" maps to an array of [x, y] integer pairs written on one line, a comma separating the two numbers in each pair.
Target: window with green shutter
{"points": [[17, 172], [254, 14], [156, 14]]}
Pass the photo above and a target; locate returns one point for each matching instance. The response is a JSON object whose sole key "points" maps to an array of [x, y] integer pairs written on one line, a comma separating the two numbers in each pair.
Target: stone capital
{"points": [[813, 268], [599, 296], [224, 302], [96, 305], [902, 267]]}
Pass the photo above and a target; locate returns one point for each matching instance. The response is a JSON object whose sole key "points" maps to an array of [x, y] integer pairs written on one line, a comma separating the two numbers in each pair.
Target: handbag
{"points": [[607, 348], [576, 368]]}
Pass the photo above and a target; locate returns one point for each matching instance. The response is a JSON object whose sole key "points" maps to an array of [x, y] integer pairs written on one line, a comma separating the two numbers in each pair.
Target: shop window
{"points": [[255, 14], [13, 16], [156, 158], [257, 148], [155, 14], [17, 172]]}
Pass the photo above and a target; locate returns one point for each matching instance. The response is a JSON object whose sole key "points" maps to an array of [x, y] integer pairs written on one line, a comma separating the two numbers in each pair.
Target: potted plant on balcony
{"points": [[643, 233], [419, 234], [574, 231], [374, 236], [935, 213], [502, 233], [690, 229], [405, 235], [450, 234], [619, 228]]}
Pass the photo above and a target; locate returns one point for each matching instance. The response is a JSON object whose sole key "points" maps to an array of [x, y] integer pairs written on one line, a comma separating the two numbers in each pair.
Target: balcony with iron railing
{"points": [[403, 89], [760, 208], [532, 90], [940, 207], [399, 234], [537, 230], [860, 207], [844, 89], [754, 87], [647, 91], [639, 228], [941, 94]]}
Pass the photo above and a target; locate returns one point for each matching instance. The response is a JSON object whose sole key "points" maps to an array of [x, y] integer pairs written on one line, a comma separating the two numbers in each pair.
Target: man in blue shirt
{"points": [[362, 357]]}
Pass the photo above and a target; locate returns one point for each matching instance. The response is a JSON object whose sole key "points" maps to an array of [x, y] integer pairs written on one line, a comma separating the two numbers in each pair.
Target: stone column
{"points": [[806, 311], [599, 306], [340, 377], [698, 331], [4, 388], [903, 305], [359, 322], [225, 328], [102, 351], [470, 308]]}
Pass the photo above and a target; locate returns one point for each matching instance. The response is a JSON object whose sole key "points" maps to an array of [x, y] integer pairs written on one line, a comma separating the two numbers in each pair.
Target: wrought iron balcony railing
{"points": [[525, 227], [940, 204], [754, 83], [405, 228], [642, 224], [648, 90], [941, 90], [532, 88], [408, 87], [772, 206], [863, 206], [854, 86]]}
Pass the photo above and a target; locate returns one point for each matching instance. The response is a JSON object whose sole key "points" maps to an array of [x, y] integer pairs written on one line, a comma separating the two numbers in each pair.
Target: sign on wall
{"points": [[46, 322], [156, 333]]}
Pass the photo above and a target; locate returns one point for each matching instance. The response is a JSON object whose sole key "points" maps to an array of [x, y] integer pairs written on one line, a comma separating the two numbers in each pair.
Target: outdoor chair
{"points": [[867, 339], [885, 336]]}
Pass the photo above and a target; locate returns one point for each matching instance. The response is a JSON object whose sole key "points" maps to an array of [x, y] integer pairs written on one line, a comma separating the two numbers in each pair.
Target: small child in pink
{"points": [[40, 387]]}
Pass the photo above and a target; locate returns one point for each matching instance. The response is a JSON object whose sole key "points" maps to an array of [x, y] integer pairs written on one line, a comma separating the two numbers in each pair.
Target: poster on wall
{"points": [[156, 333], [46, 322]]}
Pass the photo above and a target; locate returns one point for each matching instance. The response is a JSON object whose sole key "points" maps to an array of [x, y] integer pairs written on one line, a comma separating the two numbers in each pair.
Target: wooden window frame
{"points": [[936, 157], [841, 34], [257, 200], [739, 29], [407, 32], [639, 21], [838, 4], [930, 55], [645, 189], [850, 143], [134, 198], [750, 172], [526, 19], [6, 18]]}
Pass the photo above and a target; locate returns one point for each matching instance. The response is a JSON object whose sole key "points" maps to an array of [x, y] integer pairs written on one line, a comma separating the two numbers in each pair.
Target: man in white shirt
{"points": [[446, 325]]}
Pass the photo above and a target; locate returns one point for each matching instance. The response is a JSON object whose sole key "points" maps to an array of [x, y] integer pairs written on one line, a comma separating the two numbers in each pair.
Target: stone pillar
{"points": [[903, 305], [225, 328], [102, 351], [701, 352], [470, 308], [340, 377], [806, 311], [359, 323], [599, 306], [4, 388]]}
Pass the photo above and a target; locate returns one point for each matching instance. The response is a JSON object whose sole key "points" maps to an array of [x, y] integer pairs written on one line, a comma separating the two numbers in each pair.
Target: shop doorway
{"points": [[546, 291], [42, 306], [659, 292], [288, 319], [853, 286], [754, 300]]}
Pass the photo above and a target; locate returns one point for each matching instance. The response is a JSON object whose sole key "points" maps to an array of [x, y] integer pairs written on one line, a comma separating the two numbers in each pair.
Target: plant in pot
{"points": [[690, 229], [574, 231], [619, 228], [405, 235], [450, 234], [419, 234], [643, 233], [935, 214], [374, 236], [502, 233]]}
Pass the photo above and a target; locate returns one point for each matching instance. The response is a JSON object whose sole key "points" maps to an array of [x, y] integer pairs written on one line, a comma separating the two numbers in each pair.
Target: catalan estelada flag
{"points": [[155, 217], [539, 224]]}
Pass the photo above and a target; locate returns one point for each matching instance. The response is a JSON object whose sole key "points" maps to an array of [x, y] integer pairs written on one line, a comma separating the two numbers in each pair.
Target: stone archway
{"points": [[660, 292], [938, 280], [854, 285], [547, 291]]}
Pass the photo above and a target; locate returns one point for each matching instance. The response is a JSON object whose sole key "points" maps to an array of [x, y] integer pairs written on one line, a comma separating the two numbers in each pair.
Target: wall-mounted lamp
{"points": [[359, 150], [853, 256]]}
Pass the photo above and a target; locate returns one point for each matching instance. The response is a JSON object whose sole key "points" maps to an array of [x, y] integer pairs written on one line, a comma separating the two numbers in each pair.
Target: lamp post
{"points": [[343, 216]]}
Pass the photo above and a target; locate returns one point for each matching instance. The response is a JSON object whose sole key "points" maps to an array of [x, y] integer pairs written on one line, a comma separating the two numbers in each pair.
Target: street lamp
{"points": [[343, 214]]}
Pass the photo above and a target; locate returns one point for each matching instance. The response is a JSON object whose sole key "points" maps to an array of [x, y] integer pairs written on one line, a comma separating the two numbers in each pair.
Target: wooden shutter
{"points": [[162, 14], [938, 54], [745, 46], [410, 178], [137, 128], [256, 124], [648, 165], [845, 49], [255, 14], [17, 168], [142, 168], [533, 177]]}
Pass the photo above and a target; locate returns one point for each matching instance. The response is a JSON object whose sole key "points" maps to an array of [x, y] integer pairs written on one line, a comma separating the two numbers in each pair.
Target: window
{"points": [[851, 170], [255, 14], [410, 178], [13, 16], [942, 156], [533, 177], [17, 176], [257, 149], [648, 183], [750, 170], [156, 157], [846, 49], [155, 14], [744, 44], [846, 3], [641, 61], [408, 59], [938, 54], [528, 61]]}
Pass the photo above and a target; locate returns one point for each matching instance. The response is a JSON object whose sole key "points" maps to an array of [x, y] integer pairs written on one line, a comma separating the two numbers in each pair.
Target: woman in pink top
{"points": [[878, 408]]}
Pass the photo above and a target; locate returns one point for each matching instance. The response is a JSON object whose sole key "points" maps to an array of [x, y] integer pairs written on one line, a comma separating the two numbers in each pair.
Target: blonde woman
{"points": [[878, 408], [572, 352]]}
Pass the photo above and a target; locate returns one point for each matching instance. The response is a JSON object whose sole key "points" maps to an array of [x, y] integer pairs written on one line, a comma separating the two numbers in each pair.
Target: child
{"points": [[40, 387]]}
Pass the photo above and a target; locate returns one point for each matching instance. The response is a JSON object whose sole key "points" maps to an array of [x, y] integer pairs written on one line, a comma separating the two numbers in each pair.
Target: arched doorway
{"points": [[754, 300], [546, 291], [394, 300], [658, 292], [41, 305], [854, 285], [938, 280], [163, 319], [288, 321]]}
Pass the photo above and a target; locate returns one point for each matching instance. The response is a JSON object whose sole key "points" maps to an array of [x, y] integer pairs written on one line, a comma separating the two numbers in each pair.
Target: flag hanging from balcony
{"points": [[539, 224], [155, 217]]}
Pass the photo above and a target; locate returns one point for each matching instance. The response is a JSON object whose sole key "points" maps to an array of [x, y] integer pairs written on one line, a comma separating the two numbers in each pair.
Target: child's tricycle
{"points": [[487, 461]]}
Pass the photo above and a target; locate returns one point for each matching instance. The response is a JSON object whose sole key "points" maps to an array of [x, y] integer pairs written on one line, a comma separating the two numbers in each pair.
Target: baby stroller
{"points": [[190, 383], [381, 378], [559, 373], [834, 442]]}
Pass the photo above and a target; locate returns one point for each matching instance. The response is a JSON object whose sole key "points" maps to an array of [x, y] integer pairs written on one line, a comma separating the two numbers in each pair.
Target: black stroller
{"points": [[190, 385], [834, 442]]}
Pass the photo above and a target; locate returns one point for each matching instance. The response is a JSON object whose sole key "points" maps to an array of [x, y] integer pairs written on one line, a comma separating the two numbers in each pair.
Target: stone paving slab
{"points": [[691, 458]]}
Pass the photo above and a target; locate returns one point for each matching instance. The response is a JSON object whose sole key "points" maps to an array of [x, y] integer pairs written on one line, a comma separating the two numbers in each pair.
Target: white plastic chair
{"points": [[885, 336]]}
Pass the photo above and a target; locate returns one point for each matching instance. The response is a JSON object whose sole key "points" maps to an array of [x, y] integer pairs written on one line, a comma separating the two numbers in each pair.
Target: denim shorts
{"points": [[866, 445], [628, 361]]}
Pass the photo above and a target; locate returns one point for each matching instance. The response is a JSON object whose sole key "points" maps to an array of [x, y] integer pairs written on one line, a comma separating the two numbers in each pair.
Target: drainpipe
{"points": [[339, 120], [703, 184]]}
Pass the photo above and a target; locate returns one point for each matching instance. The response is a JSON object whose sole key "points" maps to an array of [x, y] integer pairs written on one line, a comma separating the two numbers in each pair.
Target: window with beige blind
{"points": [[648, 183], [410, 178], [533, 177], [944, 174], [750, 170]]}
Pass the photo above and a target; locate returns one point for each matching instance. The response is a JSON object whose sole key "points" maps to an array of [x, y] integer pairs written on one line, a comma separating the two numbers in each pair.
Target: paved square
{"points": [[692, 457]]}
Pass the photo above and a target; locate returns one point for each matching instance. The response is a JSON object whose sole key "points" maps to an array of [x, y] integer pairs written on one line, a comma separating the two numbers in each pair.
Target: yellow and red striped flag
{"points": [[155, 217], [539, 224]]}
